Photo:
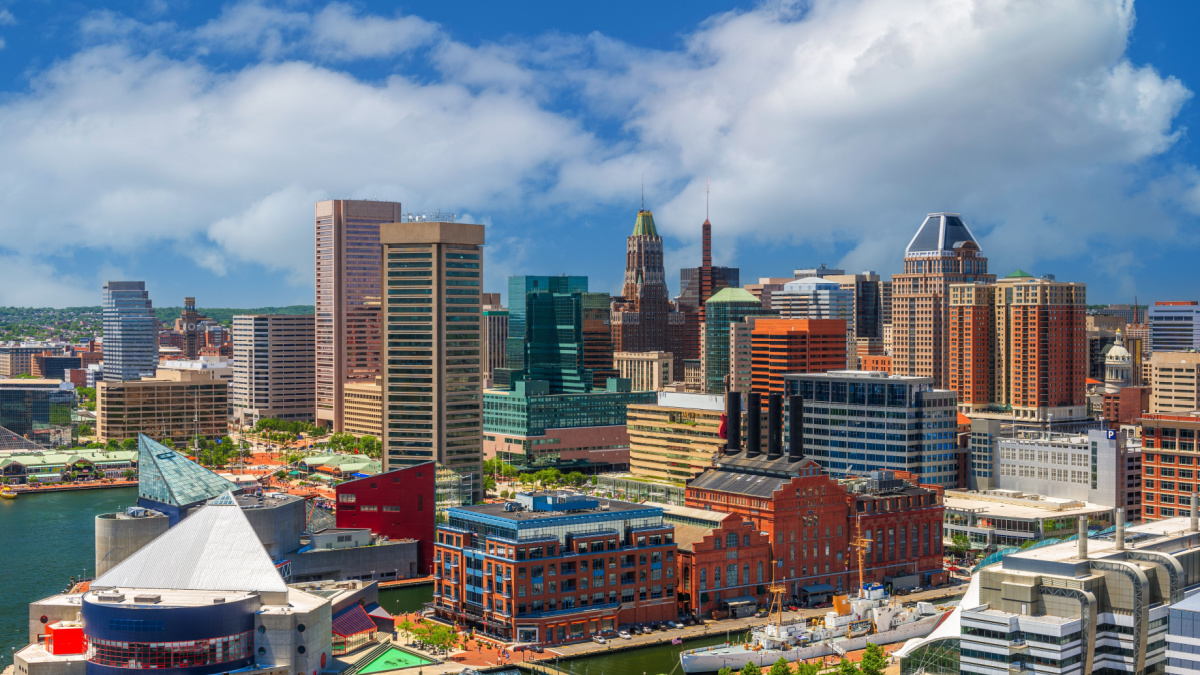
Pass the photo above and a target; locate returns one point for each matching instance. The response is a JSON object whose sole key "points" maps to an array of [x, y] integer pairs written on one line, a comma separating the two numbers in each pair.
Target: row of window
{"points": [[147, 655]]}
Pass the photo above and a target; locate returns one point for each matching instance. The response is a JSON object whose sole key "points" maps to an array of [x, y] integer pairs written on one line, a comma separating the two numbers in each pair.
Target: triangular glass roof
{"points": [[940, 232], [214, 549], [169, 477]]}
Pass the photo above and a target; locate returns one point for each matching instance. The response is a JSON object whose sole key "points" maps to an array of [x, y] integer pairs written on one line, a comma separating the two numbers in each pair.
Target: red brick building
{"points": [[903, 520], [708, 577], [1169, 464], [1126, 405], [552, 568], [782, 346], [397, 504]]}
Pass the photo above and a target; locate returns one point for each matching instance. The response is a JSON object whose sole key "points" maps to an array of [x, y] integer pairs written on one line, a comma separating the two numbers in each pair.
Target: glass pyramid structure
{"points": [[169, 478]]}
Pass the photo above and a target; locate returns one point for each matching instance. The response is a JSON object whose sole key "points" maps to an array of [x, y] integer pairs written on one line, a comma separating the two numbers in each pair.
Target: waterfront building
{"points": [[725, 308], [941, 253], [432, 313], [1174, 326], [532, 427], [783, 346], [1003, 518], [1175, 386], [858, 421], [554, 567], [1018, 346], [39, 410], [175, 404], [1100, 466], [723, 562], [640, 316], [274, 368], [676, 437], [130, 332], [363, 409], [339, 466], [399, 504], [348, 288], [29, 467], [1099, 604], [203, 598], [1170, 463], [646, 371]]}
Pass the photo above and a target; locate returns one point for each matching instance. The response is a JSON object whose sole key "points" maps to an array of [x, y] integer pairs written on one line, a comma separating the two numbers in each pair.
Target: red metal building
{"points": [[398, 504]]}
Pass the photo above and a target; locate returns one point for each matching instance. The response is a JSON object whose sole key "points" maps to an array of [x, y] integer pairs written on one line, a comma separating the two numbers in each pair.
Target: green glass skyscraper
{"points": [[728, 306], [545, 333]]}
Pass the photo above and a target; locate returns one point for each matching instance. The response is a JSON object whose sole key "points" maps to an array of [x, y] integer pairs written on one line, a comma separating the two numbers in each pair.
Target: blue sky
{"points": [[184, 142]]}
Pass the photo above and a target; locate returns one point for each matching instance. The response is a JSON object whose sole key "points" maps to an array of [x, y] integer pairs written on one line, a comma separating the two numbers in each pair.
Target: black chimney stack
{"points": [[753, 422], [733, 422], [774, 426], [796, 428]]}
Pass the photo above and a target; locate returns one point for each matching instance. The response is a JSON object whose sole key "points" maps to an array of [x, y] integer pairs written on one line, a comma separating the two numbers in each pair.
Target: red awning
{"points": [[352, 621]]}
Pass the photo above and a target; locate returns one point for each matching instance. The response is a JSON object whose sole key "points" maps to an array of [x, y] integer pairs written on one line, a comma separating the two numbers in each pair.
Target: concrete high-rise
{"points": [[1174, 326], [1175, 382], [1019, 347], [639, 319], [783, 346], [495, 334], [872, 301], [941, 253], [348, 276], [432, 387], [274, 369], [130, 332]]}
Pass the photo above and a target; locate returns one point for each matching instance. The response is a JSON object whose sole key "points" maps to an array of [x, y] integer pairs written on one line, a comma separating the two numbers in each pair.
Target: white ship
{"points": [[873, 617]]}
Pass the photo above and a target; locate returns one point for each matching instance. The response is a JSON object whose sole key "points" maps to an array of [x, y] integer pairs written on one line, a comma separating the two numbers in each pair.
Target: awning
{"points": [[817, 589], [352, 621], [742, 601], [704, 597], [761, 589], [293, 473], [375, 610]]}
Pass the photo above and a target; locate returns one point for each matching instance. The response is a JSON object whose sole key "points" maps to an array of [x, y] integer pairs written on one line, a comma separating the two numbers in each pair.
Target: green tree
{"points": [[129, 474], [847, 667], [95, 445], [576, 479], [751, 668], [169, 443], [85, 430], [873, 661], [725, 671], [129, 444], [780, 667], [489, 483], [405, 627], [803, 668], [113, 444], [960, 545]]}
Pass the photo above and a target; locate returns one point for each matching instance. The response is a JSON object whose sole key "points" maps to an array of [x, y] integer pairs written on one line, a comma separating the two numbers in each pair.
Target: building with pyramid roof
{"points": [[170, 483]]}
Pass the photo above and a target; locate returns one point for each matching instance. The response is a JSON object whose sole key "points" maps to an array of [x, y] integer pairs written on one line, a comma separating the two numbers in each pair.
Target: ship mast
{"points": [[862, 545], [775, 614]]}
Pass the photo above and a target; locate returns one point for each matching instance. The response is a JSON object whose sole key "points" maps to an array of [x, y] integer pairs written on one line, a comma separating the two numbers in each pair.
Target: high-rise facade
{"points": [[816, 298], [432, 386], [783, 346], [646, 371], [1175, 382], [545, 333], [274, 369], [1174, 326], [1019, 347], [639, 319], [698, 284], [130, 332], [348, 277], [729, 306], [189, 327], [495, 336], [596, 311], [941, 253], [872, 301]]}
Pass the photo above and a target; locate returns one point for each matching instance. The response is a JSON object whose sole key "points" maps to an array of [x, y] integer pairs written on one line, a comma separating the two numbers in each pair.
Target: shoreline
{"points": [[71, 487]]}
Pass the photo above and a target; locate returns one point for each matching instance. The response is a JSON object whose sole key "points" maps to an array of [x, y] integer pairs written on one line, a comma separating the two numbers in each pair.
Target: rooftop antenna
{"points": [[706, 190], [643, 192]]}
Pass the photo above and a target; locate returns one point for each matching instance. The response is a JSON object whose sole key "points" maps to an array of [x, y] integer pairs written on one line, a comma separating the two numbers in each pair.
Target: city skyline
{"points": [[1104, 142]]}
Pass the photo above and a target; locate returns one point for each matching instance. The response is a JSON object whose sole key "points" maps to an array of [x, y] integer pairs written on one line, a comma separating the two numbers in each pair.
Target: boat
{"points": [[872, 617], [8, 493]]}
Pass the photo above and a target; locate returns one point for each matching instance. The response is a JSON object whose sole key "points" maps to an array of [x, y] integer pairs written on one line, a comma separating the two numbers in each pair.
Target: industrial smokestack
{"points": [[774, 426], [1120, 529], [753, 424], [733, 422], [1195, 525], [1083, 536], [796, 428]]}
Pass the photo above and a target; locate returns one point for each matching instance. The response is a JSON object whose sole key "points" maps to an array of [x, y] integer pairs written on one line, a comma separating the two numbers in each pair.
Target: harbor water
{"points": [[649, 660]]}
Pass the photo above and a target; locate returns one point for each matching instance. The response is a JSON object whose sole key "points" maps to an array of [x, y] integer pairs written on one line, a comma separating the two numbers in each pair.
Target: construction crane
{"points": [[862, 545]]}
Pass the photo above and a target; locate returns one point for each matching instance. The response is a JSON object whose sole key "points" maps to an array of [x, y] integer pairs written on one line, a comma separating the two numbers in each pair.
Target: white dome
{"points": [[1118, 355]]}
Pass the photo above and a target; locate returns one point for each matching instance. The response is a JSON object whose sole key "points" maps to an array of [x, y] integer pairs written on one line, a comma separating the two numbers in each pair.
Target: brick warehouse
{"points": [[554, 567]]}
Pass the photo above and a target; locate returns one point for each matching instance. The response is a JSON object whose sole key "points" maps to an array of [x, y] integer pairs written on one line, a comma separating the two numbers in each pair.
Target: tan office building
{"points": [[347, 282], [1175, 387], [175, 404], [274, 369], [432, 386], [364, 408], [647, 371], [675, 439]]}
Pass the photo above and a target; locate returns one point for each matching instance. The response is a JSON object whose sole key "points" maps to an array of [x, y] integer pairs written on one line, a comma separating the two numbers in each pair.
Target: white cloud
{"points": [[31, 283], [7, 18]]}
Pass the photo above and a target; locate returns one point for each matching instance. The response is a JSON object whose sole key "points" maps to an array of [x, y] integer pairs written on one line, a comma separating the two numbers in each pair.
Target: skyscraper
{"points": [[348, 277], [698, 284], [783, 346], [1174, 326], [189, 326], [273, 367], [545, 332], [432, 387], [727, 307], [942, 252], [1018, 347], [130, 332], [495, 335], [597, 338], [639, 319]]}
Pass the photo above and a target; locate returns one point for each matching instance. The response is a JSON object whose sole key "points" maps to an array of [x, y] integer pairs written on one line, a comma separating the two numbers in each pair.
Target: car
{"points": [[672, 624], [520, 648], [536, 649], [662, 625], [624, 635], [599, 640]]}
